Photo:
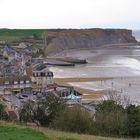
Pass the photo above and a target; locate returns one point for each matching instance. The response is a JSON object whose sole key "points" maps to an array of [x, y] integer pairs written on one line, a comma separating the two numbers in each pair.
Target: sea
{"points": [[136, 33]]}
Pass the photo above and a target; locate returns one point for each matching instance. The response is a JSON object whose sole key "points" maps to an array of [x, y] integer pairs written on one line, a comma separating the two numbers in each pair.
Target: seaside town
{"points": [[25, 75], [69, 70], [24, 78]]}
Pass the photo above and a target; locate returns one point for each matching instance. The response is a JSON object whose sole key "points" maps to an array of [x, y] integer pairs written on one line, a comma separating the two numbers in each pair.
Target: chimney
{"points": [[29, 71]]}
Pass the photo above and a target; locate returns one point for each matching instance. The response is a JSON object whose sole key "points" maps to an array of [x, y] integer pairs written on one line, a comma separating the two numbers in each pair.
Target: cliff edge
{"points": [[64, 39]]}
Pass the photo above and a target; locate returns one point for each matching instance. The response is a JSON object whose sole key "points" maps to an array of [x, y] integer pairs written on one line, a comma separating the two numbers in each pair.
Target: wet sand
{"points": [[87, 94], [78, 79]]}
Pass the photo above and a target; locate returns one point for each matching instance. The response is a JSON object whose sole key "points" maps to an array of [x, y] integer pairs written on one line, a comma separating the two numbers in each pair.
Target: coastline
{"points": [[120, 67], [87, 94], [79, 79]]}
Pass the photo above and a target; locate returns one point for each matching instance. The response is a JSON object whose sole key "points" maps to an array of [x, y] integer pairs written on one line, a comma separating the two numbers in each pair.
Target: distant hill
{"points": [[57, 40], [60, 40]]}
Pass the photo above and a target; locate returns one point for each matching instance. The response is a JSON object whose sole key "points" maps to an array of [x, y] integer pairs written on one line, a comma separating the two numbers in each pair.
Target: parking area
{"points": [[17, 101]]}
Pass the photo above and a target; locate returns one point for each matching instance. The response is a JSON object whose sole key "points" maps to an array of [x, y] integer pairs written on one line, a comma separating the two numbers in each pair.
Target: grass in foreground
{"points": [[59, 135], [10, 131]]}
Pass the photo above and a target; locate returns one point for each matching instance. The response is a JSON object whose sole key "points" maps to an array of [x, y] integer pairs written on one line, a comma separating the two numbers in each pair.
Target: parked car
{"points": [[19, 96], [33, 100], [24, 95], [39, 95], [22, 101]]}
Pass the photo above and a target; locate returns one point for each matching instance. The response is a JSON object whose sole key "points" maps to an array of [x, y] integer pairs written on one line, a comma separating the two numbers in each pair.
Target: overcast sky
{"points": [[70, 14]]}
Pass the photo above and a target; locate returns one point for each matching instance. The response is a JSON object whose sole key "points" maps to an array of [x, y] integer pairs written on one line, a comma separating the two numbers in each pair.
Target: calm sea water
{"points": [[136, 33]]}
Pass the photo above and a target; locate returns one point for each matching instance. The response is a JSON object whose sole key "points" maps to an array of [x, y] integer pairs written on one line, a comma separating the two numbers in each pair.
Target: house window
{"points": [[42, 74], [38, 73], [27, 81], [35, 74], [50, 74], [7, 82], [21, 82], [15, 82]]}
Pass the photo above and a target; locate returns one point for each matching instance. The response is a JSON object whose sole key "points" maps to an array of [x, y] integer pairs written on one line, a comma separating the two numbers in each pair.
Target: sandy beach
{"points": [[78, 79], [87, 94]]}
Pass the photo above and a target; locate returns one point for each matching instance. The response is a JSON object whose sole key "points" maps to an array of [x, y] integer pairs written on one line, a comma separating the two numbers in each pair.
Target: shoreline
{"points": [[79, 79], [87, 94]]}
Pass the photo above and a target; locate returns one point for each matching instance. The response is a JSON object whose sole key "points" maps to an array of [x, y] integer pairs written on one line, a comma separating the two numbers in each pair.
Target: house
{"points": [[41, 79], [14, 83], [11, 69], [68, 93], [22, 45], [8, 53], [2, 42]]}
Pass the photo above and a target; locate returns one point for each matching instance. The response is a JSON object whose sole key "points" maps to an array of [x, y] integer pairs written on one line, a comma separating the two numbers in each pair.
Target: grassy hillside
{"points": [[21, 32], [59, 135], [11, 36], [10, 131]]}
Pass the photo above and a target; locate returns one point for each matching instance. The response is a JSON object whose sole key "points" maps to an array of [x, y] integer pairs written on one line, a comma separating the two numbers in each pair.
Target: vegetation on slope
{"points": [[21, 32], [60, 135], [111, 118], [12, 132]]}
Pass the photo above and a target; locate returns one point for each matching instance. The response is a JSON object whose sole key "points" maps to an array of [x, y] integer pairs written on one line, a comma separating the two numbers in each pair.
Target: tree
{"points": [[133, 123], [74, 119], [111, 119], [27, 112], [43, 111], [108, 105], [48, 108], [3, 114]]}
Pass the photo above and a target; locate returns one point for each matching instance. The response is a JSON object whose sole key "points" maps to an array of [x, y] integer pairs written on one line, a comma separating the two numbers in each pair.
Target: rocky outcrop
{"points": [[64, 39]]}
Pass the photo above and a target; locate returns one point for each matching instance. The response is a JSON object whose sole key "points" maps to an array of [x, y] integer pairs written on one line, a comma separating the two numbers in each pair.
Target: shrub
{"points": [[48, 108], [3, 114], [111, 119], [27, 112], [75, 120], [133, 124], [44, 111]]}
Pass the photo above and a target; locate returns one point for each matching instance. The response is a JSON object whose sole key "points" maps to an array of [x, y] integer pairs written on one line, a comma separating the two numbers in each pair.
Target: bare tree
{"points": [[120, 99]]}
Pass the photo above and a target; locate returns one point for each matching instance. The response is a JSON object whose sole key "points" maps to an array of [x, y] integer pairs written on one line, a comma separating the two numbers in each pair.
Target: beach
{"points": [[119, 68], [87, 94]]}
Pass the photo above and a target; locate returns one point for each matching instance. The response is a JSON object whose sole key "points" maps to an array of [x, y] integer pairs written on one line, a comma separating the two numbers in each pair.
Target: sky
{"points": [[70, 14]]}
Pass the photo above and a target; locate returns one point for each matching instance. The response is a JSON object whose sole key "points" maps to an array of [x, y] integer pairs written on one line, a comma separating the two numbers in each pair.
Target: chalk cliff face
{"points": [[59, 40]]}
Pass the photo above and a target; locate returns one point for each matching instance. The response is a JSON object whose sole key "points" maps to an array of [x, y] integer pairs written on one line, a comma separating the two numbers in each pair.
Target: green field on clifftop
{"points": [[15, 35], [21, 32]]}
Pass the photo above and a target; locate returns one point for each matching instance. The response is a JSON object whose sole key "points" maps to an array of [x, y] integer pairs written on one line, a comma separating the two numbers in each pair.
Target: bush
{"points": [[44, 111], [111, 119], [133, 124], [3, 114], [27, 112], [74, 120], [48, 109]]}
